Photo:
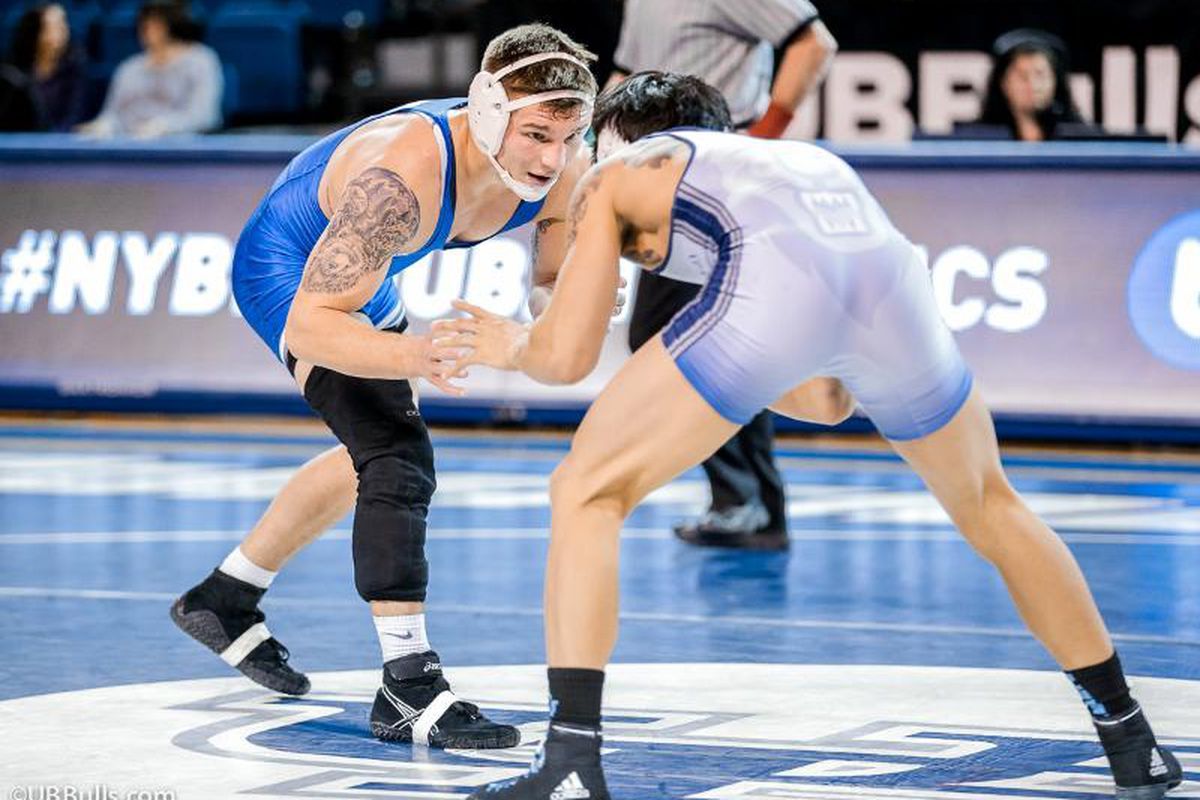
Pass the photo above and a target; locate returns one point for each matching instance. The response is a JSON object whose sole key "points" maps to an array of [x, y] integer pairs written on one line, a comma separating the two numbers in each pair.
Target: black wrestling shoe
{"points": [[745, 527], [222, 614], [566, 767], [415, 704], [1141, 768]]}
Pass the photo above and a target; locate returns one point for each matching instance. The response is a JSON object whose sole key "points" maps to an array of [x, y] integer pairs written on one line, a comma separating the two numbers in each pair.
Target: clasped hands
{"points": [[452, 346], [481, 337]]}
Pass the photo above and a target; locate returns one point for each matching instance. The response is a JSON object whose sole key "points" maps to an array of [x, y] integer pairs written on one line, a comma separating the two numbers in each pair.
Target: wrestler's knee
{"points": [[990, 516], [577, 483]]}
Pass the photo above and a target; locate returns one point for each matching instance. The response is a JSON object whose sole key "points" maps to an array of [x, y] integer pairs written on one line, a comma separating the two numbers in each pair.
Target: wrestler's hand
{"points": [[434, 362], [480, 338]]}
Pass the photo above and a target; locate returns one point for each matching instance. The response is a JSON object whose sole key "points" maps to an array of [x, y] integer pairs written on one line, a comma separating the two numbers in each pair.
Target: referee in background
{"points": [[730, 44]]}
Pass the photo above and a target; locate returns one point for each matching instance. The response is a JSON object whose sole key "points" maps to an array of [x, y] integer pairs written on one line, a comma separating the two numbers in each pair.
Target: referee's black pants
{"points": [[743, 471]]}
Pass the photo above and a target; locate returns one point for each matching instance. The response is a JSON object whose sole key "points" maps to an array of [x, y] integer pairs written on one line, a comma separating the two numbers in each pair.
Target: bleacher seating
{"points": [[261, 44]]}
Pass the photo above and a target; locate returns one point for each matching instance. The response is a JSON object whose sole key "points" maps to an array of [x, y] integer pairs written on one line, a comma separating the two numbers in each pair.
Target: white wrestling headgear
{"points": [[488, 110]]}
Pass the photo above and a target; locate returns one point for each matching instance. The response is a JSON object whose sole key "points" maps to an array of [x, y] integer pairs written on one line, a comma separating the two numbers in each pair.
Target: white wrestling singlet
{"points": [[804, 275]]}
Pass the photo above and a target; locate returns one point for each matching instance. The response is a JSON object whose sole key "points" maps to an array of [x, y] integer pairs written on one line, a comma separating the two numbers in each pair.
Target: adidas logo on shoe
{"points": [[571, 788], [1158, 767]]}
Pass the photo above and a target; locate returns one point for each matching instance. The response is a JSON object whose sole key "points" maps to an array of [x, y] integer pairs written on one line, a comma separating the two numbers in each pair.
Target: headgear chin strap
{"points": [[488, 111]]}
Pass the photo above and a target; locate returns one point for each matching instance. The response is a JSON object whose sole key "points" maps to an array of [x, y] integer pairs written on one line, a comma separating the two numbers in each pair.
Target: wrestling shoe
{"points": [[1141, 768], [566, 767], [415, 704], [222, 614]]}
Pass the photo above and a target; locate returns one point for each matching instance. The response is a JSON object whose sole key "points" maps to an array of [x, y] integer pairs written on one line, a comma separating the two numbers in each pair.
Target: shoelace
{"points": [[275, 648]]}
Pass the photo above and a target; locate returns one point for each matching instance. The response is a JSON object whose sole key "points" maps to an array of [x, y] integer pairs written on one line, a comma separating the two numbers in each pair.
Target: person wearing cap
{"points": [[311, 275]]}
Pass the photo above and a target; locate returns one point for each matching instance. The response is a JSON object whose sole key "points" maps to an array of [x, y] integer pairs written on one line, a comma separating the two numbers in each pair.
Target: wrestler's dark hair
{"points": [[649, 102]]}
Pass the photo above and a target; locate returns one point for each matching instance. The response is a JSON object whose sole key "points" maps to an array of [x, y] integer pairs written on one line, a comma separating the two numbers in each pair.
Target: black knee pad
{"points": [[389, 529], [389, 444]]}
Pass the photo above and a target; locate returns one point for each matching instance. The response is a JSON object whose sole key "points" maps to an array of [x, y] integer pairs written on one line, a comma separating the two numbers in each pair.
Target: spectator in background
{"points": [[55, 72], [731, 45], [173, 87], [1028, 91]]}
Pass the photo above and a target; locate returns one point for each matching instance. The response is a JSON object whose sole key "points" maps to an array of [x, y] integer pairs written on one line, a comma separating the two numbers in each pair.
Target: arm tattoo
{"points": [[588, 185], [378, 216], [541, 227]]}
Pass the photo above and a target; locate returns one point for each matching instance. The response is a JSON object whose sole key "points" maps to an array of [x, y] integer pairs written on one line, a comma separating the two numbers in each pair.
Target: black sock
{"points": [[575, 696], [1103, 688], [230, 594]]}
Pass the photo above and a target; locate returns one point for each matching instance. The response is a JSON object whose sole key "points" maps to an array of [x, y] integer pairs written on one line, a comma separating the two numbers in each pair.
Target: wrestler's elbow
{"points": [[558, 357], [570, 369], [300, 336], [566, 366]]}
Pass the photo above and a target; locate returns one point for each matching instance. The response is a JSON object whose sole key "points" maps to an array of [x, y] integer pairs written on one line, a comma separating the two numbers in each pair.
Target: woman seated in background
{"points": [[1028, 91], [173, 87], [54, 71]]}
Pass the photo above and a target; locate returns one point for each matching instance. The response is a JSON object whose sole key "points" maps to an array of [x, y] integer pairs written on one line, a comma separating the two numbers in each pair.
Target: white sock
{"points": [[401, 635], [236, 565]]}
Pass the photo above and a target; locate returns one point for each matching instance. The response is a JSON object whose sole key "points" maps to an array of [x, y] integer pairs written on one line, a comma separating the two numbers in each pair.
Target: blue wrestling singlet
{"points": [[804, 275], [275, 244]]}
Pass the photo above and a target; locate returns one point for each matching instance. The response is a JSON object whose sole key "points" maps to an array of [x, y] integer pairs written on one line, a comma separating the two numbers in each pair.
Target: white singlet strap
{"points": [[242, 645], [429, 717]]}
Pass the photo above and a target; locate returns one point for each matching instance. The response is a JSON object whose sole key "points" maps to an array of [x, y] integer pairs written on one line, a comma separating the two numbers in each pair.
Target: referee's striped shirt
{"points": [[727, 43]]}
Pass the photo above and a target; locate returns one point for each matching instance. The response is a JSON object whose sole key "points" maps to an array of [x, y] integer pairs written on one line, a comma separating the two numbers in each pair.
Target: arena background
{"points": [[1068, 271], [1071, 276]]}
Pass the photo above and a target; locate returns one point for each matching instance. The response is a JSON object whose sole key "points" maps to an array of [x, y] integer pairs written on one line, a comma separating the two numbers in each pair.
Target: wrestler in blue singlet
{"points": [[275, 244]]}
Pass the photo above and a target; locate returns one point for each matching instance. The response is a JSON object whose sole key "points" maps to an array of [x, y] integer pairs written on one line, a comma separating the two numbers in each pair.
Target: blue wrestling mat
{"points": [[879, 658]]}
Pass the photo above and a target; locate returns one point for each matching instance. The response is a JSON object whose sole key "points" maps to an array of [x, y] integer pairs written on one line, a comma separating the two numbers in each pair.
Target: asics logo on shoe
{"points": [[1157, 766], [571, 788], [430, 666]]}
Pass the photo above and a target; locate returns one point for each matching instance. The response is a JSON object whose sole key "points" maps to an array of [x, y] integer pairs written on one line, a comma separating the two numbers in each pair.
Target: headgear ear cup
{"points": [[488, 117]]}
